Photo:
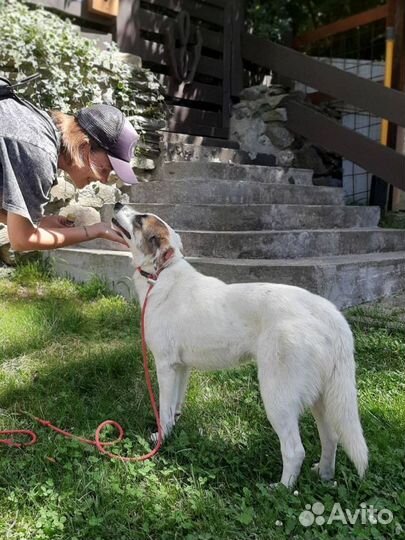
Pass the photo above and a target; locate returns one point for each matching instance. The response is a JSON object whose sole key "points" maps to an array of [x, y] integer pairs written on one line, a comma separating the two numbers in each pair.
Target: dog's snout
{"points": [[118, 206]]}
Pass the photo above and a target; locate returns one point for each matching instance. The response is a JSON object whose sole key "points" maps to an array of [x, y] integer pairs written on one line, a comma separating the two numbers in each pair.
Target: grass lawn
{"points": [[71, 353]]}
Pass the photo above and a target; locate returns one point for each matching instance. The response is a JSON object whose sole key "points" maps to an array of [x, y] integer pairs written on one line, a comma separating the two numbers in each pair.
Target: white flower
{"points": [[279, 523]]}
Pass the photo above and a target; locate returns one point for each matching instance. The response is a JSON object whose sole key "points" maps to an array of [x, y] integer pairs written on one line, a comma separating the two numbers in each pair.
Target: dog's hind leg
{"points": [[283, 414], [183, 374], [329, 440]]}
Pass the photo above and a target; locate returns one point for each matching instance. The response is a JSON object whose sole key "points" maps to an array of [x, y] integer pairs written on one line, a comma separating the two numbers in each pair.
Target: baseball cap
{"points": [[114, 133]]}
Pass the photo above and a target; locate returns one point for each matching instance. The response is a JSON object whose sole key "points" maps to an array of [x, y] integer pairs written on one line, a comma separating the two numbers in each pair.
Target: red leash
{"points": [[97, 442]]}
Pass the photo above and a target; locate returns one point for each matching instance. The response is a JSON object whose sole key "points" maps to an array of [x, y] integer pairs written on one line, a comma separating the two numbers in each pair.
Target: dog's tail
{"points": [[340, 400]]}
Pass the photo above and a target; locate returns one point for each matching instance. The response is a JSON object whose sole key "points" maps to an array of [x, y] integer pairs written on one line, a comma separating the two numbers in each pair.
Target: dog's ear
{"points": [[161, 249], [138, 220], [162, 253]]}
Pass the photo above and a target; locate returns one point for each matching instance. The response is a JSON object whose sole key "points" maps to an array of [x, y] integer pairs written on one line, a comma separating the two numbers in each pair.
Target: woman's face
{"points": [[98, 170]]}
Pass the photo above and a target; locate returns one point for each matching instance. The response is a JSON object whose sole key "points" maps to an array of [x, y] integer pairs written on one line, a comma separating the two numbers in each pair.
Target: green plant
{"points": [[74, 72]]}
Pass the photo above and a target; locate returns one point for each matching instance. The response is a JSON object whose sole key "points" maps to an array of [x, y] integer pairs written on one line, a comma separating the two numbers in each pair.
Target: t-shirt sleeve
{"points": [[28, 173]]}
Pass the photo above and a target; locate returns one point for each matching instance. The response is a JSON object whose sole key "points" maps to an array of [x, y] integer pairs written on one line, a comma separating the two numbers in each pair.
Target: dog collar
{"points": [[151, 278]]}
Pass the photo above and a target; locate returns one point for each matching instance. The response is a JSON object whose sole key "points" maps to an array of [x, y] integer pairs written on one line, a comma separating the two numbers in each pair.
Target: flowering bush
{"points": [[74, 72]]}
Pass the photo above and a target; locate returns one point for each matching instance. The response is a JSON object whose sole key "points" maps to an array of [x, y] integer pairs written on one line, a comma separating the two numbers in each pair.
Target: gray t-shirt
{"points": [[29, 147]]}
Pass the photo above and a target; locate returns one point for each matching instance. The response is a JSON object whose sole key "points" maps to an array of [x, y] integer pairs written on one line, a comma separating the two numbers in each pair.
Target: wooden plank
{"points": [[105, 8], [75, 9], [153, 52], [195, 91], [338, 27], [227, 59], [160, 24], [362, 93], [380, 160], [236, 60], [396, 135], [197, 9], [196, 116], [127, 28], [191, 128]]}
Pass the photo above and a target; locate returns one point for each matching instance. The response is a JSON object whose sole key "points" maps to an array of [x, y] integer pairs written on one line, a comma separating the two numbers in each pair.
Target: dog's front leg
{"points": [[168, 380], [182, 382]]}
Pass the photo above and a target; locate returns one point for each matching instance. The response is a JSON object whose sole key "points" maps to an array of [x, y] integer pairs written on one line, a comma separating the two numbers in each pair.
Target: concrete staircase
{"points": [[243, 222]]}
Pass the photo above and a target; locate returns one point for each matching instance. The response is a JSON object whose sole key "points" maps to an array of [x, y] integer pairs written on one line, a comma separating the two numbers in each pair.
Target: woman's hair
{"points": [[76, 144]]}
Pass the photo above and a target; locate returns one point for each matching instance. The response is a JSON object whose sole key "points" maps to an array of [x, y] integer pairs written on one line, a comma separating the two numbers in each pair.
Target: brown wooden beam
{"points": [[153, 52], [213, 14], [76, 9], [161, 24], [379, 160], [367, 95], [338, 27]]}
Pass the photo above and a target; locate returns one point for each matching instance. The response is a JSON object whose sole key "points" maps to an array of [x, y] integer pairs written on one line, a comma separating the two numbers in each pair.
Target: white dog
{"points": [[302, 345]]}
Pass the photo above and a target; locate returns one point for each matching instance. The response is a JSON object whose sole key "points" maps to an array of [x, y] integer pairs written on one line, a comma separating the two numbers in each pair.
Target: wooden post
{"points": [[397, 134], [237, 21]]}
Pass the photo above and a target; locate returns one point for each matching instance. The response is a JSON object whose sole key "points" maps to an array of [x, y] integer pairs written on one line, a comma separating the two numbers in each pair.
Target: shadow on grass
{"points": [[40, 322], [203, 462]]}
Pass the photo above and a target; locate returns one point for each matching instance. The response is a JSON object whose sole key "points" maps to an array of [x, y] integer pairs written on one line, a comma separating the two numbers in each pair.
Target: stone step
{"points": [[197, 140], [345, 280], [232, 192], [290, 244], [257, 217], [191, 152], [199, 170], [281, 244]]}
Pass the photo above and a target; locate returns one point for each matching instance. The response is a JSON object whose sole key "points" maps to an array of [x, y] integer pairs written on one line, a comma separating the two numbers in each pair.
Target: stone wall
{"points": [[258, 124]]}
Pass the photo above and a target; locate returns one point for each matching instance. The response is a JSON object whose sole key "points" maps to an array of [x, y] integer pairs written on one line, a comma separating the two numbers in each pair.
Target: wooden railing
{"points": [[307, 121], [302, 41]]}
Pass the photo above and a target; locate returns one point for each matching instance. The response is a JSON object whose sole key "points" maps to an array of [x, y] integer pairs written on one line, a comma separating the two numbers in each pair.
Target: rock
{"points": [[253, 92], [97, 194], [275, 115], [242, 112], [141, 162], [81, 215], [280, 136], [3, 235], [285, 158], [250, 134], [64, 190], [6, 253], [308, 157], [275, 89]]}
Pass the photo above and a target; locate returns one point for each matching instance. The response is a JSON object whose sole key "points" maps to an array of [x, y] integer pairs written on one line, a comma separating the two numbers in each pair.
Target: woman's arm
{"points": [[25, 237]]}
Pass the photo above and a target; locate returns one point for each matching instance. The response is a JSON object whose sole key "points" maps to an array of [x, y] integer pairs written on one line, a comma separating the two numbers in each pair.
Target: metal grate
{"points": [[360, 51]]}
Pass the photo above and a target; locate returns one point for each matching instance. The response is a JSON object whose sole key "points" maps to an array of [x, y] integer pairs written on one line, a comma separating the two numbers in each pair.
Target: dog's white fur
{"points": [[302, 345]]}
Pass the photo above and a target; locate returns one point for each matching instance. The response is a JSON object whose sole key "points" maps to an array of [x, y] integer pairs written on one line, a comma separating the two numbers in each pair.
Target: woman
{"points": [[33, 145]]}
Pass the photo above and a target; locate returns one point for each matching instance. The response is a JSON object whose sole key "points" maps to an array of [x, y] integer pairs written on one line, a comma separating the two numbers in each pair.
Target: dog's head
{"points": [[151, 240]]}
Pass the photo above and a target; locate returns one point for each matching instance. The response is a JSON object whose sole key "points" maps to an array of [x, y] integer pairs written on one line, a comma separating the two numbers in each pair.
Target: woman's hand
{"points": [[56, 222], [102, 230]]}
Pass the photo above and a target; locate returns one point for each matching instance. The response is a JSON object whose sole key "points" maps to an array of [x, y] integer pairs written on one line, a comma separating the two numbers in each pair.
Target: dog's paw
{"points": [[325, 473], [154, 437]]}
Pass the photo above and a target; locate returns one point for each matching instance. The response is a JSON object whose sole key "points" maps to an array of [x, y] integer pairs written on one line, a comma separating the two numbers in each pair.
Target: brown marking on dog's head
{"points": [[155, 238]]}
